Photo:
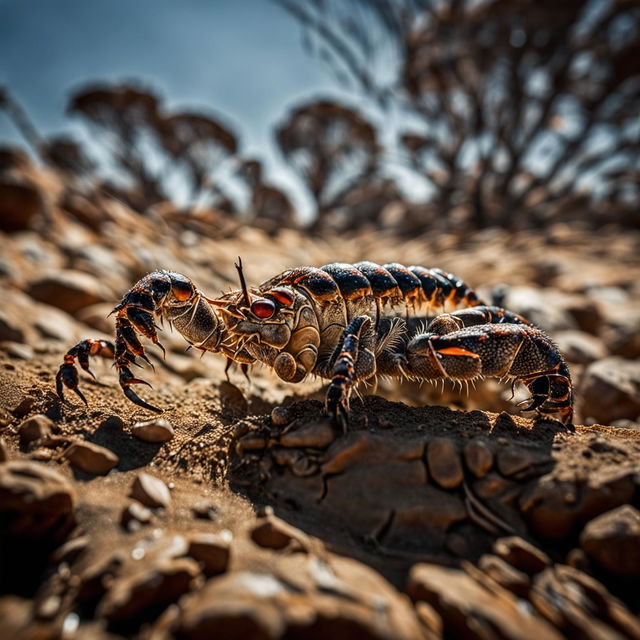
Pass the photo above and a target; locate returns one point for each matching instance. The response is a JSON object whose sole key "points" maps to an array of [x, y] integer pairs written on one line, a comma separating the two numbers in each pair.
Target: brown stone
{"points": [[494, 486], [68, 290], [205, 509], [610, 390], [298, 596], [280, 416], [98, 575], [612, 540], [553, 506], [233, 400], [505, 574], [478, 457], [37, 427], [18, 350], [274, 533], [579, 347], [134, 515], [430, 619], [251, 442], [363, 448], [228, 607], [11, 327], [211, 550], [300, 463], [91, 458], [35, 501], [521, 554], [444, 463], [157, 430], [21, 201], [161, 584], [316, 434], [473, 606], [578, 605], [150, 491], [22, 407], [71, 550], [522, 461]]}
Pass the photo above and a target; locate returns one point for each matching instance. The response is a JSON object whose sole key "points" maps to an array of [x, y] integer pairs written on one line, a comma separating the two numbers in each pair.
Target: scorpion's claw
{"points": [[126, 381], [67, 375], [144, 357], [80, 395]]}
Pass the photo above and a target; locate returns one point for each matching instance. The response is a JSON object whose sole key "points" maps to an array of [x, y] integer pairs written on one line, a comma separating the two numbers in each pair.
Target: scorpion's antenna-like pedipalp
{"points": [[243, 284]]}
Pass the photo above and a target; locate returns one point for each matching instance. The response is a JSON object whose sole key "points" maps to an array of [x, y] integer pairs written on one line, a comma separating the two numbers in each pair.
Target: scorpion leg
{"points": [[67, 375], [501, 350], [130, 321], [353, 360]]}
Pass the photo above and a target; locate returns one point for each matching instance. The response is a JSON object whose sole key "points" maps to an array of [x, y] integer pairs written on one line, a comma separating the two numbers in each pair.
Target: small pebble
{"points": [[280, 416], [212, 550], [113, 422], [151, 491], [205, 510], [34, 428], [478, 457], [157, 430], [444, 463], [91, 458], [18, 350], [233, 400], [23, 407], [135, 514]]}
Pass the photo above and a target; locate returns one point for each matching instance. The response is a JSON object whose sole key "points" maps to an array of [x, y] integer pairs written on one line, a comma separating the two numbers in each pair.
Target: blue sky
{"points": [[241, 58]]}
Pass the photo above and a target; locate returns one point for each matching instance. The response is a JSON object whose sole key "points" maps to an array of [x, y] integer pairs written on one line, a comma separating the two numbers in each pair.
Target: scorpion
{"points": [[348, 323]]}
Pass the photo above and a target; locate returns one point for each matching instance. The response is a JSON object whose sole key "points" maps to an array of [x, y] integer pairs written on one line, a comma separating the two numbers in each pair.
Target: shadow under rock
{"points": [[132, 453]]}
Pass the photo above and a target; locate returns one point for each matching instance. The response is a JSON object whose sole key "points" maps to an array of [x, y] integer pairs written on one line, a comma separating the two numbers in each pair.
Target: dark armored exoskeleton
{"points": [[346, 323]]}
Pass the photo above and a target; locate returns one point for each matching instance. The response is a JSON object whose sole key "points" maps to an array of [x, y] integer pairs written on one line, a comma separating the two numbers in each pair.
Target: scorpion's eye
{"points": [[263, 308], [181, 290]]}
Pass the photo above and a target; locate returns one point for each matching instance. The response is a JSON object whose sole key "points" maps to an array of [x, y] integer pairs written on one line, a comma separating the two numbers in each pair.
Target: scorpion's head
{"points": [[256, 321]]}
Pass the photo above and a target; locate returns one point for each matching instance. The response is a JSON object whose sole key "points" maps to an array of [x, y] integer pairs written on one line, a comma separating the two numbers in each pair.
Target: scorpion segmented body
{"points": [[346, 323]]}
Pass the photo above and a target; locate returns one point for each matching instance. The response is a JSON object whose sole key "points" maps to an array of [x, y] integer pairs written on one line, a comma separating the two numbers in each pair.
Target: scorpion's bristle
{"points": [[243, 284]]}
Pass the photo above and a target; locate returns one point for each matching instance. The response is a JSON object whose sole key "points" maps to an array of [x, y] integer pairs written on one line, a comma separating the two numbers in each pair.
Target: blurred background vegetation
{"points": [[470, 114]]}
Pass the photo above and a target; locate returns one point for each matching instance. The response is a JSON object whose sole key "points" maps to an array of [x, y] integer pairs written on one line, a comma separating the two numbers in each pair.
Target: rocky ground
{"points": [[241, 513]]}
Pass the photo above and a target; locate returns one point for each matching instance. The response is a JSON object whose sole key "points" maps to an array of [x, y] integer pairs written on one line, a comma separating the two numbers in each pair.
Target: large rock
{"points": [[34, 429], [21, 202], [580, 606], [579, 347], [613, 541], [542, 307], [68, 290], [610, 390], [557, 504], [299, 596], [473, 605], [156, 586], [35, 502], [11, 326], [521, 554], [211, 550], [622, 335]]}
